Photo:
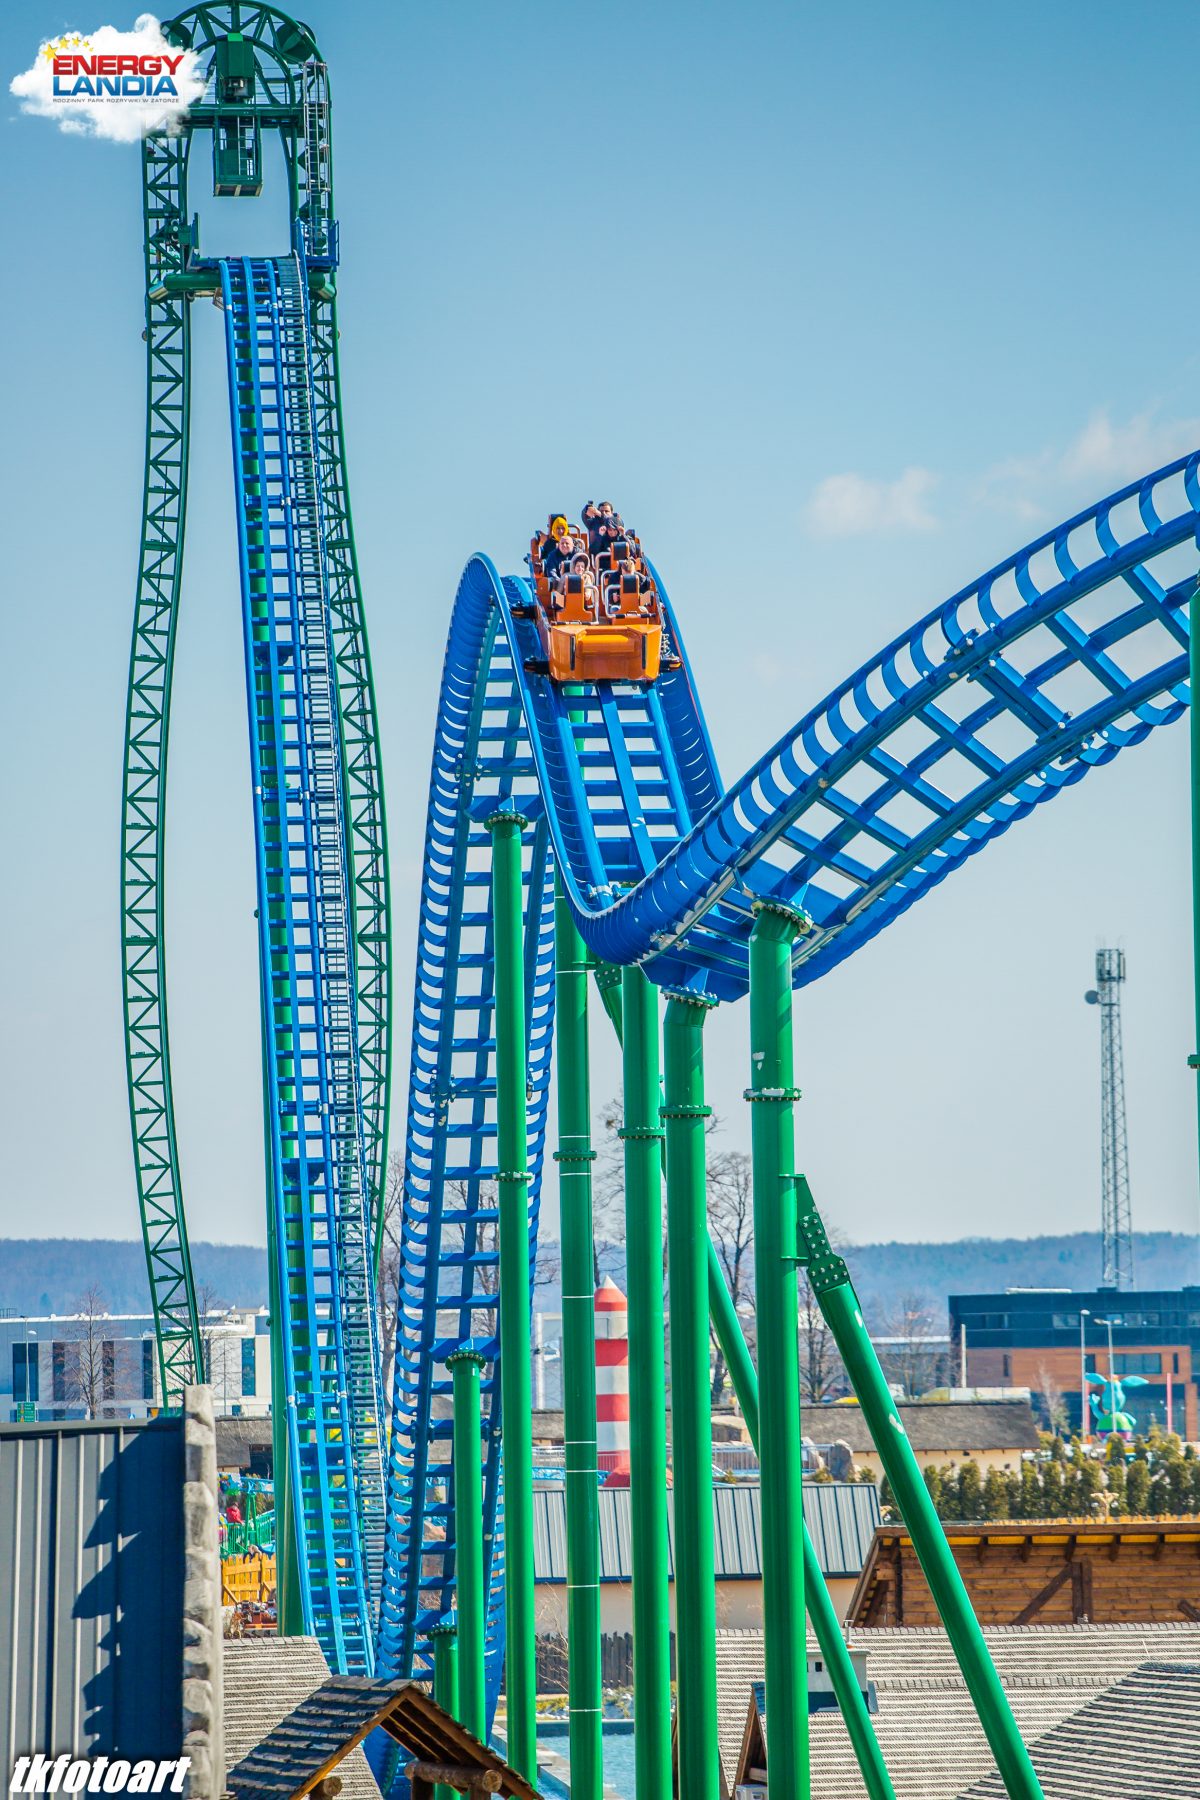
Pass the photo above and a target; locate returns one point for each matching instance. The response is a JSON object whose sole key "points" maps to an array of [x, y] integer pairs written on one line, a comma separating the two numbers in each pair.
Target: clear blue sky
{"points": [[702, 259]]}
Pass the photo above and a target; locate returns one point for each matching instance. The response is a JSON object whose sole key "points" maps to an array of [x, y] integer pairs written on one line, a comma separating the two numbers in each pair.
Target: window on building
{"points": [[108, 1369], [1139, 1363], [1007, 1367], [58, 1370], [25, 1374], [1065, 1321], [249, 1368], [987, 1322], [1175, 1363], [147, 1368]]}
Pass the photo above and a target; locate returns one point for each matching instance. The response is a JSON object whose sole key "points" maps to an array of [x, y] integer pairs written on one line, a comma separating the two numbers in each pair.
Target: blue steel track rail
{"points": [[318, 1156], [993, 703]]}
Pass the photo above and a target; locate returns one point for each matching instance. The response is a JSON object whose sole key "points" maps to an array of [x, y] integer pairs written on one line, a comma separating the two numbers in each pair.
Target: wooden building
{"points": [[1042, 1572], [990, 1433]]}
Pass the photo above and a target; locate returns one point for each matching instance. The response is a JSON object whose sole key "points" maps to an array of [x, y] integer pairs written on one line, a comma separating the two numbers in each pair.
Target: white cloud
{"points": [[850, 505], [1102, 456], [121, 118]]}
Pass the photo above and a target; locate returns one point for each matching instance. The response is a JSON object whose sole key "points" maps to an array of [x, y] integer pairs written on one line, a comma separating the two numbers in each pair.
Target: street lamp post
{"points": [[1112, 1365], [1084, 1436]]}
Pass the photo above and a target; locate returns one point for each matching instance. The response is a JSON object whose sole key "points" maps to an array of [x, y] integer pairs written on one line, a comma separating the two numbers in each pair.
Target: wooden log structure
{"points": [[1042, 1572]]}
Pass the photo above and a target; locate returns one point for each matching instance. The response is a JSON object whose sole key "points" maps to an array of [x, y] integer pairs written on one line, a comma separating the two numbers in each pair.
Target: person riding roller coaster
{"points": [[597, 609]]}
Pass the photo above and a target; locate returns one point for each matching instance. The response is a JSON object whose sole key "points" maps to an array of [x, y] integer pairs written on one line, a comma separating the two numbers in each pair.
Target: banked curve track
{"points": [[993, 703]]}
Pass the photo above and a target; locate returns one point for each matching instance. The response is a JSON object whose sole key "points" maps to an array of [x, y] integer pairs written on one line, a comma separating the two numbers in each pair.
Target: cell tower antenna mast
{"points": [[1116, 1216]]}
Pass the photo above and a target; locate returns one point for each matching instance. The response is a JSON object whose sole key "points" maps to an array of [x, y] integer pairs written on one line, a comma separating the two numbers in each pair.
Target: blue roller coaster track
{"points": [[1016, 687]]}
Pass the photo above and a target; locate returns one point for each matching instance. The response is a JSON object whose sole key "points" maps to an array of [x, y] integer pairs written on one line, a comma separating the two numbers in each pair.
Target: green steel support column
{"points": [[520, 1665], [1194, 731], [575, 1157], [772, 1144], [684, 1114], [445, 1683], [742, 1373], [469, 1579], [839, 1303], [647, 1401], [825, 1621]]}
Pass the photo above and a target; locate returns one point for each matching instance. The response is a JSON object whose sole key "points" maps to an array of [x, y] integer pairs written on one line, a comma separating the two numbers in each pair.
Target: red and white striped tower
{"points": [[612, 1383]]}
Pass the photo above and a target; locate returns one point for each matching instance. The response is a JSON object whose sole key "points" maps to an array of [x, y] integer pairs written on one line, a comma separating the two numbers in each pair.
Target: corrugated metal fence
{"points": [[91, 1589], [841, 1518]]}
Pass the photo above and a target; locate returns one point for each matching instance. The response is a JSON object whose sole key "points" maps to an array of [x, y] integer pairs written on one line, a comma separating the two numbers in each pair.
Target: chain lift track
{"points": [[316, 1140], [1047, 667]]}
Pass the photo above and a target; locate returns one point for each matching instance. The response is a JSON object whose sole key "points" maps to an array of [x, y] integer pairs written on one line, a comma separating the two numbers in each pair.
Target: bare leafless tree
{"points": [[387, 1293], [731, 1227], [914, 1358], [1053, 1401], [821, 1373], [608, 1183], [96, 1363]]}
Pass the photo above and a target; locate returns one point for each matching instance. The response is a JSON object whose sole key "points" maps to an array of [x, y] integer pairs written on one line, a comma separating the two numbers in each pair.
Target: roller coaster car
{"points": [[586, 641]]}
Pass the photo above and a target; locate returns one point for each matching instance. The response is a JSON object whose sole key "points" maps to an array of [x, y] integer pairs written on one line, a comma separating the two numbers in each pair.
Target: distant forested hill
{"points": [[47, 1275], [42, 1275], [883, 1273], [886, 1274]]}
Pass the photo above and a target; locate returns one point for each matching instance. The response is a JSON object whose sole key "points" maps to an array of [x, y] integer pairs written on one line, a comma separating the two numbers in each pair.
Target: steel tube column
{"points": [[520, 1657], [470, 1581], [839, 1304], [445, 1683], [825, 1621], [647, 1403], [684, 1114], [841, 1308], [742, 1373], [575, 1157], [775, 1251]]}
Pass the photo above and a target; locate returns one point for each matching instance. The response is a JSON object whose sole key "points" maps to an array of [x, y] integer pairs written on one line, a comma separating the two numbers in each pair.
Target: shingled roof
{"points": [[1138, 1740], [948, 1428], [312, 1741], [265, 1679], [931, 1739]]}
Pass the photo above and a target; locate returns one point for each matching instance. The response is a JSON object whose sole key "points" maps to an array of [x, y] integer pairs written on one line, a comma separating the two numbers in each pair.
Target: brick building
{"points": [[1030, 1337]]}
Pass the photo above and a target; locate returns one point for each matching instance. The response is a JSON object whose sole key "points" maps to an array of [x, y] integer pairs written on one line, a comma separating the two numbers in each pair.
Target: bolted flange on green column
{"points": [[684, 1115], [642, 1136], [470, 1681], [520, 1644], [575, 1157], [775, 1248]]}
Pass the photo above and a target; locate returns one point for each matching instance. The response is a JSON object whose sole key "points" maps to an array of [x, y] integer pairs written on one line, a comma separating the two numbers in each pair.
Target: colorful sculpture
{"points": [[1107, 1407]]}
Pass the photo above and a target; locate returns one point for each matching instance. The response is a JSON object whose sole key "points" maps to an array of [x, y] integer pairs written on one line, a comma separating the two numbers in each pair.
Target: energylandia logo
{"points": [[111, 83], [129, 77]]}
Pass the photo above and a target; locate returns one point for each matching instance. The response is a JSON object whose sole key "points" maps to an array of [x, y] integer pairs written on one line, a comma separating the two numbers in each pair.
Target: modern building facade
{"points": [[1049, 1338], [103, 1365]]}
